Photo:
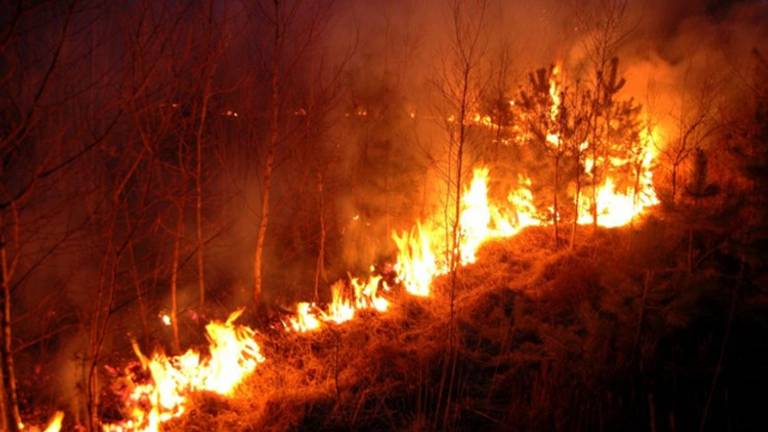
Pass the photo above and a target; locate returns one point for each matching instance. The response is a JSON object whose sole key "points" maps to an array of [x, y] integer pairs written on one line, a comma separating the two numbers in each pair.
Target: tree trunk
{"points": [[320, 267], [456, 248], [175, 278], [199, 195], [498, 140], [139, 295], [674, 181], [593, 147], [208, 70], [554, 200], [636, 194], [576, 201], [8, 400], [274, 110]]}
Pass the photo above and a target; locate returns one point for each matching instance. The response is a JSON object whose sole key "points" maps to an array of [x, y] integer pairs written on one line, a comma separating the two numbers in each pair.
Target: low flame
{"points": [[305, 319], [54, 424], [346, 301], [234, 354]]}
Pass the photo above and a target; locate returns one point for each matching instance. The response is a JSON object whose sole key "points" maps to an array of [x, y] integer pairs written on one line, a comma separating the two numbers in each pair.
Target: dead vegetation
{"points": [[608, 335]]}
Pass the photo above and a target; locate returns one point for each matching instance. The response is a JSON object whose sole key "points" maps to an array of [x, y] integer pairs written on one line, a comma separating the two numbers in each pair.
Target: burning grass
{"points": [[546, 340], [538, 331]]}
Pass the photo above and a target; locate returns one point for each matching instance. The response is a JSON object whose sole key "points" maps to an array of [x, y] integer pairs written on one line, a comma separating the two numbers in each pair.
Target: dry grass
{"points": [[548, 340]]}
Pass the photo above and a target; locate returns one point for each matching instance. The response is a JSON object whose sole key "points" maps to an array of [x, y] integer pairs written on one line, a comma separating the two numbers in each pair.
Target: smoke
{"points": [[381, 145]]}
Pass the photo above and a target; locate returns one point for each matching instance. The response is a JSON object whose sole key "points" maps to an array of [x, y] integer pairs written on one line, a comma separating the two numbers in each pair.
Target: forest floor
{"points": [[618, 333]]}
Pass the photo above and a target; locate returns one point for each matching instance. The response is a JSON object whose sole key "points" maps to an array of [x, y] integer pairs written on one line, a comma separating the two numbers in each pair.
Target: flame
{"points": [[554, 94], [54, 424], [423, 251], [305, 320], [416, 262], [342, 308], [521, 200], [554, 108], [423, 254], [614, 208], [234, 354], [367, 293], [344, 304]]}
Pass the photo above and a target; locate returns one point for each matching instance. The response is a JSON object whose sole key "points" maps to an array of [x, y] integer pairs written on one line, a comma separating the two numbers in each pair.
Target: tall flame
{"points": [[614, 208], [423, 252], [554, 109]]}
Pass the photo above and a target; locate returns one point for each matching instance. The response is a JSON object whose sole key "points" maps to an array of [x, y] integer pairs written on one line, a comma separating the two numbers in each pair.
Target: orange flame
{"points": [[54, 424], [615, 209], [423, 254], [234, 354], [422, 251], [344, 305]]}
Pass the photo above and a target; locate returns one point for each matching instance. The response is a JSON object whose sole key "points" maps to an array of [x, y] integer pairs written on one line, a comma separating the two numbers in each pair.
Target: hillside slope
{"points": [[616, 334]]}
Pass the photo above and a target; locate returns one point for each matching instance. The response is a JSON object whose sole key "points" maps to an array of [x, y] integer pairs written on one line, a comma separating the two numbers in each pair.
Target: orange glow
{"points": [[367, 295], [345, 302], [615, 208], [305, 320], [416, 262], [234, 354], [54, 424], [341, 308], [423, 251], [423, 254]]}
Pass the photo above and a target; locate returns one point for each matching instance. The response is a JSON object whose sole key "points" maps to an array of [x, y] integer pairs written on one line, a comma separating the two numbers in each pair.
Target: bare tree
{"points": [[282, 18], [605, 22], [22, 116], [208, 69], [546, 121], [694, 124], [458, 88]]}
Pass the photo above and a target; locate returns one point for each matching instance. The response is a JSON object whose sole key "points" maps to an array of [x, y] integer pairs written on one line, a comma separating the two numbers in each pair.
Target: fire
{"points": [[344, 304], [54, 424], [234, 354], [614, 208], [305, 319], [166, 319], [521, 200], [554, 109], [423, 252], [554, 94], [341, 308], [367, 293], [416, 262]]}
